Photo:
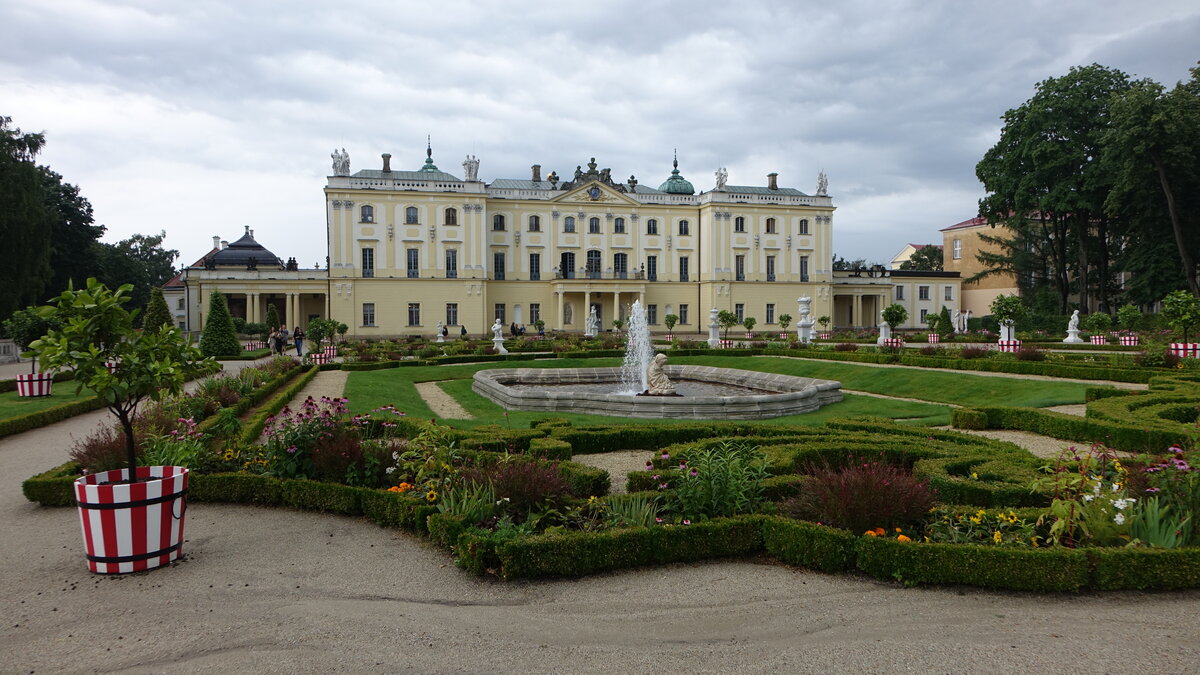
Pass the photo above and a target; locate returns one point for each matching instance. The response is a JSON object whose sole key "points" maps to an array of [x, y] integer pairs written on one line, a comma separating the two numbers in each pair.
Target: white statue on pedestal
{"points": [[657, 383], [341, 162], [471, 168], [441, 332], [804, 327], [592, 325], [498, 336], [822, 185], [885, 333], [722, 177], [1073, 329]]}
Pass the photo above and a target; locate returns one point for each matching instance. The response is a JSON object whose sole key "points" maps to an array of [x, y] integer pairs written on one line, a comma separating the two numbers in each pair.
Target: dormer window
{"points": [[367, 214]]}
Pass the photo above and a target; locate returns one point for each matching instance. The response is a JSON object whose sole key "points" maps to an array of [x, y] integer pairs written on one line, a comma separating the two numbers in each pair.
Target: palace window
{"points": [[593, 226], [414, 314], [652, 268], [739, 224], [569, 224], [368, 316], [498, 265], [535, 223], [593, 264], [924, 316], [535, 266], [451, 313], [739, 268], [684, 228], [739, 310], [367, 214], [410, 215], [567, 265], [451, 216], [899, 292], [368, 262], [498, 222], [683, 313], [535, 312], [621, 265], [770, 312], [652, 226], [652, 314], [949, 293], [803, 268], [770, 226], [957, 248], [770, 268], [922, 292], [451, 263], [414, 263], [500, 312], [619, 226], [804, 226], [683, 268]]}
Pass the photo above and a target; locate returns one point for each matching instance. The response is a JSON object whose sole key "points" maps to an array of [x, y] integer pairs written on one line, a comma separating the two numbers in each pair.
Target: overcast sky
{"points": [[201, 117]]}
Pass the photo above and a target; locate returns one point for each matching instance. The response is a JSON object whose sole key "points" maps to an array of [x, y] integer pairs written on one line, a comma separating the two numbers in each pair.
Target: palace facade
{"points": [[409, 249]]}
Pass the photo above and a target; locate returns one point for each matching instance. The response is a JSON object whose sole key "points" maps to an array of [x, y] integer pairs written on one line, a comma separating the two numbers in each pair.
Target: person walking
{"points": [[298, 336], [273, 340]]}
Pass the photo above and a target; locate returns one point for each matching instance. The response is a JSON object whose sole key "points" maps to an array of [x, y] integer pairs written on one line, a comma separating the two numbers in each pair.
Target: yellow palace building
{"points": [[408, 249]]}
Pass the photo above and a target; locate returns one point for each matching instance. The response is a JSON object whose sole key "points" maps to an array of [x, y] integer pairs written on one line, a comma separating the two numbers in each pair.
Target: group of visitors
{"points": [[516, 330], [278, 340]]}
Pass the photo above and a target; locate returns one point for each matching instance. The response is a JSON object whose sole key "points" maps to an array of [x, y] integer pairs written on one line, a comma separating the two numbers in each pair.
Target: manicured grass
{"points": [[12, 405], [922, 384]]}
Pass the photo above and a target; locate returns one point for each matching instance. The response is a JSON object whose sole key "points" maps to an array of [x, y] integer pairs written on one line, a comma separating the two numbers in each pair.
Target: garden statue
{"points": [[498, 337], [341, 162], [1073, 330], [657, 383], [441, 332], [714, 329], [885, 333], [592, 325], [957, 322], [805, 325], [471, 168]]}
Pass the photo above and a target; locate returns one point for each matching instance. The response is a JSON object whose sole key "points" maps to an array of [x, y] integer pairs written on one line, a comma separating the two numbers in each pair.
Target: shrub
{"points": [[1032, 353], [845, 347], [974, 352], [931, 350], [1156, 356], [102, 450], [862, 496], [725, 480], [219, 338], [522, 484]]}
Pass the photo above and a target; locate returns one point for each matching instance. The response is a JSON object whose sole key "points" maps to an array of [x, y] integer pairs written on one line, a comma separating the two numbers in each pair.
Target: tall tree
{"points": [[925, 258], [219, 338], [73, 254], [1045, 175], [1154, 151], [24, 221], [139, 260], [157, 313]]}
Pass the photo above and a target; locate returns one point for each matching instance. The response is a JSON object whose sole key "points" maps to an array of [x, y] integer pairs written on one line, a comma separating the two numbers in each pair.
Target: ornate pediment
{"points": [[594, 192]]}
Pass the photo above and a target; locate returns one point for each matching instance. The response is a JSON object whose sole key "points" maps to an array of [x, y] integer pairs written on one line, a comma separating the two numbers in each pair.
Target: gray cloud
{"points": [[203, 117]]}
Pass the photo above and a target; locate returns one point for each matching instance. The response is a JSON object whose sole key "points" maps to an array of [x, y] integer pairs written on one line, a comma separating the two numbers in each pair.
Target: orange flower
{"points": [[879, 531], [902, 538], [870, 533]]}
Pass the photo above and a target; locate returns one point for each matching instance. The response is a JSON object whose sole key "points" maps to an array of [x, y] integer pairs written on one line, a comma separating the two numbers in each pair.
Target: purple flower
{"points": [[686, 521], [694, 473], [649, 465], [1151, 490], [662, 486], [292, 450]]}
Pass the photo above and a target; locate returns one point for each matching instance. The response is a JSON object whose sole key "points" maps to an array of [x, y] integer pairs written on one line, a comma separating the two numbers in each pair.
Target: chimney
{"points": [[387, 163], [772, 183], [224, 244], [537, 173], [216, 242], [250, 232]]}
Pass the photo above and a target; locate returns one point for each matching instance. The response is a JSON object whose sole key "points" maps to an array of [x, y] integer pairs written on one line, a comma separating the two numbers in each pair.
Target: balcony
{"points": [[596, 274]]}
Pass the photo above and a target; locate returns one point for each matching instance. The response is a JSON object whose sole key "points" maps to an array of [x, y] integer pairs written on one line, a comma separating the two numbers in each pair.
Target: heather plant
{"points": [[974, 353], [102, 450], [724, 480], [845, 347], [1031, 354], [863, 495]]}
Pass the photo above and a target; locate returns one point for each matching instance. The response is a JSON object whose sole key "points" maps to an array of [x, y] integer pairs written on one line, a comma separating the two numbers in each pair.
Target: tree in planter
{"points": [[749, 322], [272, 317], [894, 315], [540, 326], [785, 320], [618, 324], [1129, 318], [1006, 309], [341, 331], [823, 322], [933, 320], [1097, 323], [219, 338], [726, 320], [26, 326], [97, 330], [670, 320], [1181, 310], [157, 314]]}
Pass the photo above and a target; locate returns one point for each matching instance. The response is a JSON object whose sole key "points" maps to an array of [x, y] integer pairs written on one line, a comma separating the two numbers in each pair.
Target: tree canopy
{"points": [[927, 257], [25, 220]]}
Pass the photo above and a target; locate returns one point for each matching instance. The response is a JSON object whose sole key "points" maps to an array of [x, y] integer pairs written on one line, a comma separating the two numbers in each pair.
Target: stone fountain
{"points": [[703, 392]]}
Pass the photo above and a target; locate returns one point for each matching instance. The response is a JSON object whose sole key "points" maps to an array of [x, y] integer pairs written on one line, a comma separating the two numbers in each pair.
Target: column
{"points": [[252, 307], [587, 305], [558, 318], [856, 311], [616, 306]]}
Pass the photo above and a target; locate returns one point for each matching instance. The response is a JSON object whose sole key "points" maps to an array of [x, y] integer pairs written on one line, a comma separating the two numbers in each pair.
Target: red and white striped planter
{"points": [[749, 335], [251, 346], [668, 337], [331, 351], [1099, 339], [824, 336], [725, 344], [319, 358], [933, 338], [783, 335], [1009, 345], [35, 384], [893, 342], [1186, 350], [112, 367], [1128, 340], [134, 526]]}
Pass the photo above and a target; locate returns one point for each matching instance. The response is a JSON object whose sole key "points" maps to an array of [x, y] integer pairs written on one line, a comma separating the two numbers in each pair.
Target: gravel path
{"points": [[617, 464], [442, 404], [331, 383]]}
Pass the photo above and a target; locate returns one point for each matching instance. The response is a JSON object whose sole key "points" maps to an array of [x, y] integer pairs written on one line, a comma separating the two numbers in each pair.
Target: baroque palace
{"points": [[408, 249]]}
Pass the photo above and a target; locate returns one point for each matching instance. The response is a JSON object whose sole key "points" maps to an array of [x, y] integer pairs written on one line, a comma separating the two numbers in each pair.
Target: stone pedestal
{"points": [[498, 343], [714, 330], [804, 327], [1073, 337], [885, 334], [1008, 331]]}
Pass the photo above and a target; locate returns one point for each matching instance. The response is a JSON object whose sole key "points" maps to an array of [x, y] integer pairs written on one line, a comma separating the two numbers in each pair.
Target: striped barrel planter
{"points": [[749, 335], [319, 358], [824, 336], [331, 351], [783, 335], [35, 384], [251, 346], [893, 342], [725, 344], [1009, 345], [668, 337], [1186, 350], [132, 527], [1128, 340], [1099, 339], [933, 338], [112, 366]]}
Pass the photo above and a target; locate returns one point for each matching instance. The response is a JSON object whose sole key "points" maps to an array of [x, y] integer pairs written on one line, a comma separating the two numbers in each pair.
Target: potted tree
{"points": [[749, 322], [318, 331], [726, 320], [1182, 311], [618, 324], [132, 518], [933, 320], [785, 320], [1129, 318], [1006, 309], [894, 315], [823, 322], [25, 327], [1098, 324], [670, 320]]}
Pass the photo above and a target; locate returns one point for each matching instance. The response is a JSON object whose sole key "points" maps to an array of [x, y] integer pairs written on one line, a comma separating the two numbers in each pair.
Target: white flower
{"points": [[1122, 504], [1088, 498], [391, 469], [1119, 519]]}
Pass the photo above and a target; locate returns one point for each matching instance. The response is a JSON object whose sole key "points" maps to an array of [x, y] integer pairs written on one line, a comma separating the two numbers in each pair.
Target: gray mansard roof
{"points": [[757, 190], [408, 175]]}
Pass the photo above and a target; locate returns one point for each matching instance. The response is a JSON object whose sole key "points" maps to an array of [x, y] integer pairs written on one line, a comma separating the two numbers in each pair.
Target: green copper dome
{"points": [[676, 184], [429, 167]]}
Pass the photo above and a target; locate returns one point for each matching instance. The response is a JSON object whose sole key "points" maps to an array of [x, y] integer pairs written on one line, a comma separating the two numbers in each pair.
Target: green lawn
{"points": [[12, 405]]}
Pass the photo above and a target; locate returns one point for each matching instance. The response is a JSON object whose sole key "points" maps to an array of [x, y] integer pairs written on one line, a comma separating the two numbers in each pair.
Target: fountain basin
{"points": [[785, 394]]}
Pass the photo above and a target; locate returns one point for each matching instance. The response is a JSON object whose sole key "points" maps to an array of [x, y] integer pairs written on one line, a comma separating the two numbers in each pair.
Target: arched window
{"points": [[739, 224], [593, 264], [621, 265], [684, 228], [594, 225], [498, 222], [804, 226], [410, 216], [619, 226], [567, 265], [535, 223], [367, 214], [770, 226], [569, 224], [652, 226], [451, 216]]}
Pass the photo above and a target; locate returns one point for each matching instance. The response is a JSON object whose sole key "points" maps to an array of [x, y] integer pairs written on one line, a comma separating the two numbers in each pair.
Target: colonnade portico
{"points": [[581, 300]]}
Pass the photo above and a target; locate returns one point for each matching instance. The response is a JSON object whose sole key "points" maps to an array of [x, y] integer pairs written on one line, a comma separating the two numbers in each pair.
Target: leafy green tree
{"points": [[1007, 308], [785, 320], [726, 320], [157, 313], [670, 320], [97, 330], [824, 321], [74, 252], [140, 261], [1182, 311], [894, 315], [925, 258], [749, 322], [1097, 323], [25, 220], [272, 317], [1129, 318], [26, 326], [219, 338]]}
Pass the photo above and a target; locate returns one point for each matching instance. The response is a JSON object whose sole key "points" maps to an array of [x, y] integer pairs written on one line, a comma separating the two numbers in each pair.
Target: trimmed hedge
{"points": [[1047, 569], [258, 420], [1142, 569], [550, 448], [1075, 428], [40, 418]]}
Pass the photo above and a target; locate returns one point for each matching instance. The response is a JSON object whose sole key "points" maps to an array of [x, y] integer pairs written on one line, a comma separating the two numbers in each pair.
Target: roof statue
{"points": [[822, 185], [341, 162], [722, 177], [471, 168]]}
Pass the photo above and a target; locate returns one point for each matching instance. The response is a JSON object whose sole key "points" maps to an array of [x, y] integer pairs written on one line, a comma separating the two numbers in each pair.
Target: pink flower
{"points": [[686, 521]]}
